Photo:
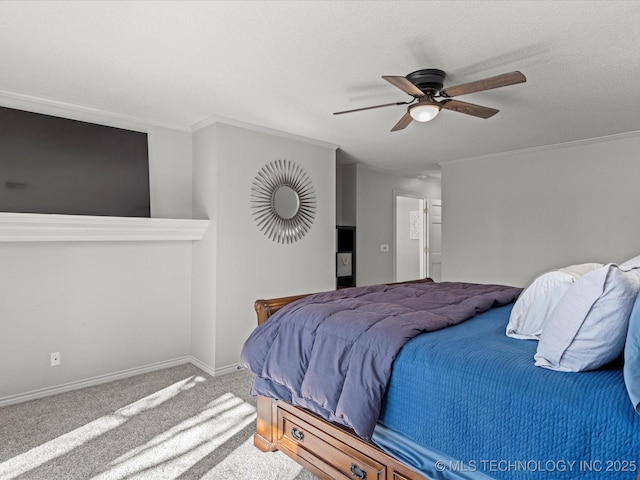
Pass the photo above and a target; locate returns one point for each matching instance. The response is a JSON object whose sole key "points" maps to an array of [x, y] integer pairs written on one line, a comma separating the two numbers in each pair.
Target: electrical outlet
{"points": [[55, 359]]}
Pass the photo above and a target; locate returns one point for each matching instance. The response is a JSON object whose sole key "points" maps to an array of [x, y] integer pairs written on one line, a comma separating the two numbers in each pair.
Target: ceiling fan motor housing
{"points": [[429, 80]]}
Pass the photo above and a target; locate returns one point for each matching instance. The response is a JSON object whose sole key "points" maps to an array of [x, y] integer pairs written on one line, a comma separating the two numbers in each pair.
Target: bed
{"points": [[463, 401]]}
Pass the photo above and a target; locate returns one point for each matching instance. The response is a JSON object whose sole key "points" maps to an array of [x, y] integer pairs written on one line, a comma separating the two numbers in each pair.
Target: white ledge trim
{"points": [[35, 227]]}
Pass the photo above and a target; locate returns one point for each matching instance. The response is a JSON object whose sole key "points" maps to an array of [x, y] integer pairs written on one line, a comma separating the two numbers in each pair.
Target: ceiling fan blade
{"points": [[405, 85], [370, 108], [487, 84], [403, 123], [468, 108]]}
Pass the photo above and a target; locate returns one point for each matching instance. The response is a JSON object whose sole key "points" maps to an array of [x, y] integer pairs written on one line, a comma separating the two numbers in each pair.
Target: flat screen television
{"points": [[57, 165]]}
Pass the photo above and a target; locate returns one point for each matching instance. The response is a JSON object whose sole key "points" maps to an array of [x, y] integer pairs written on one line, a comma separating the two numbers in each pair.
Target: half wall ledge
{"points": [[35, 227]]}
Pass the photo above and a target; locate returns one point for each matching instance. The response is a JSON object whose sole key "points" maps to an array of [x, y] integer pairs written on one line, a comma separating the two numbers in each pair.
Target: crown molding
{"points": [[34, 227], [49, 106], [546, 148], [257, 128]]}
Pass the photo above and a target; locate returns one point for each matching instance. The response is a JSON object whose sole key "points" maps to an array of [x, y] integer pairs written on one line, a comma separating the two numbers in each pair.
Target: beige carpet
{"points": [[178, 423]]}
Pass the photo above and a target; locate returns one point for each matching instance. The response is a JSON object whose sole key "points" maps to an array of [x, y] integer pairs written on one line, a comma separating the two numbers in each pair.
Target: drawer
{"points": [[397, 476], [326, 453]]}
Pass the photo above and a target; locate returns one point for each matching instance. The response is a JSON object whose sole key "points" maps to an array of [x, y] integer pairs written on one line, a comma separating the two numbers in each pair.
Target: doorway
{"points": [[434, 240], [417, 237]]}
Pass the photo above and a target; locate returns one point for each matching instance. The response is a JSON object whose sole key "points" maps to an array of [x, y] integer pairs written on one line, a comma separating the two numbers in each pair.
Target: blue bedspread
{"points": [[474, 393], [332, 353]]}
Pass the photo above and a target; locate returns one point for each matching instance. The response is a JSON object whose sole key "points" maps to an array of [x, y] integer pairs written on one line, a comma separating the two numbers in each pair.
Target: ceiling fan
{"points": [[425, 86]]}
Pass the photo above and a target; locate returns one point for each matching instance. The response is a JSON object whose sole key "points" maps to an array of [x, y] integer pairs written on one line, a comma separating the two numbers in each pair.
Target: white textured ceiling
{"points": [[288, 65]]}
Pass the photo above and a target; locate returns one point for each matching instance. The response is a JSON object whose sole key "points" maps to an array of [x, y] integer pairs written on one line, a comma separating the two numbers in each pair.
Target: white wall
{"points": [[109, 307], [248, 265], [106, 306], [204, 266], [513, 216], [170, 165], [374, 218]]}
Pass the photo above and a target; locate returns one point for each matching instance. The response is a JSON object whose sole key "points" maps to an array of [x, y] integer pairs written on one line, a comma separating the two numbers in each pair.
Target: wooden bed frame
{"points": [[327, 450]]}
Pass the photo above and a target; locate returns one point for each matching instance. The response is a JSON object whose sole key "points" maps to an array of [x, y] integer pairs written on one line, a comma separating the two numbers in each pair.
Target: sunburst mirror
{"points": [[283, 201]]}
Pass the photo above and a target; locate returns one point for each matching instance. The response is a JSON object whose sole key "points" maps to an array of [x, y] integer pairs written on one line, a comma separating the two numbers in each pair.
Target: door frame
{"points": [[429, 251], [404, 193]]}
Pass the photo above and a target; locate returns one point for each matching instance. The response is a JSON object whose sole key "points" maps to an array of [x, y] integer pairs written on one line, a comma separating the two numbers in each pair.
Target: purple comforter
{"points": [[333, 352]]}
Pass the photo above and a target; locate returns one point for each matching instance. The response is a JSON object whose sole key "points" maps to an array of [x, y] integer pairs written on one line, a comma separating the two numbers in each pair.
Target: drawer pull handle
{"points": [[297, 434], [358, 472]]}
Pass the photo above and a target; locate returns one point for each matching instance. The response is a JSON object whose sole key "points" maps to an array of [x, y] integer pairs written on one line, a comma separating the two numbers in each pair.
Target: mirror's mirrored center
{"points": [[286, 202]]}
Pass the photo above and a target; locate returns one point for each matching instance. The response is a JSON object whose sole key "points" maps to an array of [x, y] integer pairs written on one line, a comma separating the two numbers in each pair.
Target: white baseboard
{"points": [[214, 372], [202, 366], [110, 377], [228, 369], [89, 382]]}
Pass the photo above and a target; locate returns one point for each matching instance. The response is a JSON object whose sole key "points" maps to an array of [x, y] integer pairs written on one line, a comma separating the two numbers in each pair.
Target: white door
{"points": [[410, 239], [434, 239]]}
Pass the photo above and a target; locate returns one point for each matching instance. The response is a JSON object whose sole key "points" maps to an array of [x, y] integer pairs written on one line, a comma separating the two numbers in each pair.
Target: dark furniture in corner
{"points": [[345, 256]]}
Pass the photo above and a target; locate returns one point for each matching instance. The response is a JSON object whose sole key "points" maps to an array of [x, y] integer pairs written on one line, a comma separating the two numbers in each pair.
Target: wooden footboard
{"points": [[325, 449]]}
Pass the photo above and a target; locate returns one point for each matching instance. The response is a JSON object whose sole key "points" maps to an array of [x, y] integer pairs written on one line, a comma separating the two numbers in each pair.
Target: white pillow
{"points": [[538, 300], [631, 368], [631, 263], [588, 327], [576, 271]]}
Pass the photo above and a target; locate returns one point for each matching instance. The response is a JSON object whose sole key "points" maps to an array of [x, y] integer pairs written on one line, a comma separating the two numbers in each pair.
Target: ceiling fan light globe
{"points": [[424, 113]]}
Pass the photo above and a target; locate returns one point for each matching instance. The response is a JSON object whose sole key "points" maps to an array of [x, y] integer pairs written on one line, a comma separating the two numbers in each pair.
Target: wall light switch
{"points": [[384, 247]]}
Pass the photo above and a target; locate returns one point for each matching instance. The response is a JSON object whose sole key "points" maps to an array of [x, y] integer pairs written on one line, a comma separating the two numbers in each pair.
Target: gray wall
{"points": [[368, 194], [204, 262], [106, 306], [513, 216], [347, 195], [247, 265], [113, 307]]}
